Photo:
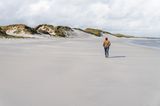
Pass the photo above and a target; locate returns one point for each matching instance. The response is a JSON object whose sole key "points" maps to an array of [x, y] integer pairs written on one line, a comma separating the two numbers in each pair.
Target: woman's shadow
{"points": [[116, 57]]}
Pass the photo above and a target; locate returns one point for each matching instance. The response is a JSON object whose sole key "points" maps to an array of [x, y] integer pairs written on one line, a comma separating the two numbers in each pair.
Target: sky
{"points": [[132, 17]]}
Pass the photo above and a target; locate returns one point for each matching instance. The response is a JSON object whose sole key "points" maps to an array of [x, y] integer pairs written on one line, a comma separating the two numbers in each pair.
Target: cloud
{"points": [[134, 17]]}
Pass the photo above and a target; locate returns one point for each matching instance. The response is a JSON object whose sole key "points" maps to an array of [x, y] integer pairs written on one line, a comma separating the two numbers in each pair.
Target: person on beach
{"points": [[106, 45]]}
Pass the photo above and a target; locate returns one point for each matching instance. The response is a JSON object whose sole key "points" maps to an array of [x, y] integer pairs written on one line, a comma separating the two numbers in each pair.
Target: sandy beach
{"points": [[75, 72]]}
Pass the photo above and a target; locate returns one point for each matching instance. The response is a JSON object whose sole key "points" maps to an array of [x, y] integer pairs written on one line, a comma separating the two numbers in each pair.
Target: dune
{"points": [[75, 72]]}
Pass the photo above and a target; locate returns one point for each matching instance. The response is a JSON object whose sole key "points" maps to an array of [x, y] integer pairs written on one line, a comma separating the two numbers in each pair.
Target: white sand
{"points": [[74, 72]]}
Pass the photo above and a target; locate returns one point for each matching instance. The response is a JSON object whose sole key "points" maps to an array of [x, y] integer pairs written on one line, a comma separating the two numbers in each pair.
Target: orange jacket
{"points": [[106, 43]]}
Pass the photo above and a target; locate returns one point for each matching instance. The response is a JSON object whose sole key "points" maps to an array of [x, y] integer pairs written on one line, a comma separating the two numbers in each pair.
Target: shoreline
{"points": [[143, 46], [132, 41]]}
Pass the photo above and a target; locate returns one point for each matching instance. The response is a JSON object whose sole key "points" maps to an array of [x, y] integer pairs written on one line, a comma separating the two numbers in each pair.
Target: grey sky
{"points": [[135, 17]]}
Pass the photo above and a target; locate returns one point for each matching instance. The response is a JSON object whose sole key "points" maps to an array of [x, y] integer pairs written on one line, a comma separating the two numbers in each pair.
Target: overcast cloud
{"points": [[134, 17]]}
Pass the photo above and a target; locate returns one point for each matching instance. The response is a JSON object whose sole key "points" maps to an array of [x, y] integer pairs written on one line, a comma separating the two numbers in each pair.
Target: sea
{"points": [[147, 42]]}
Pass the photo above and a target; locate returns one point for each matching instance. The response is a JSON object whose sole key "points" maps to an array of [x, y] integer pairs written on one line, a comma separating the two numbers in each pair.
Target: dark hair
{"points": [[106, 38]]}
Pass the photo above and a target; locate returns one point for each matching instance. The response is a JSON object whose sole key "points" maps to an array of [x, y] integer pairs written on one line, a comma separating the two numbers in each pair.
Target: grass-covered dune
{"points": [[19, 29], [96, 32], [60, 31], [4, 35], [22, 31], [123, 36], [99, 32]]}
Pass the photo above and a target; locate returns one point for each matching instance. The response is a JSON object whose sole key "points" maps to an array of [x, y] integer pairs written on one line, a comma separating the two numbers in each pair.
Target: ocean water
{"points": [[148, 42]]}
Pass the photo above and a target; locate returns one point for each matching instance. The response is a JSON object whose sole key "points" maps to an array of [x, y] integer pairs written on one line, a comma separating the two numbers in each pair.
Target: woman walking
{"points": [[106, 45]]}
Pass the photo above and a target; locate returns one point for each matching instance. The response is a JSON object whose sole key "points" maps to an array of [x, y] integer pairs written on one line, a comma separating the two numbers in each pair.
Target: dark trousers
{"points": [[106, 49]]}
